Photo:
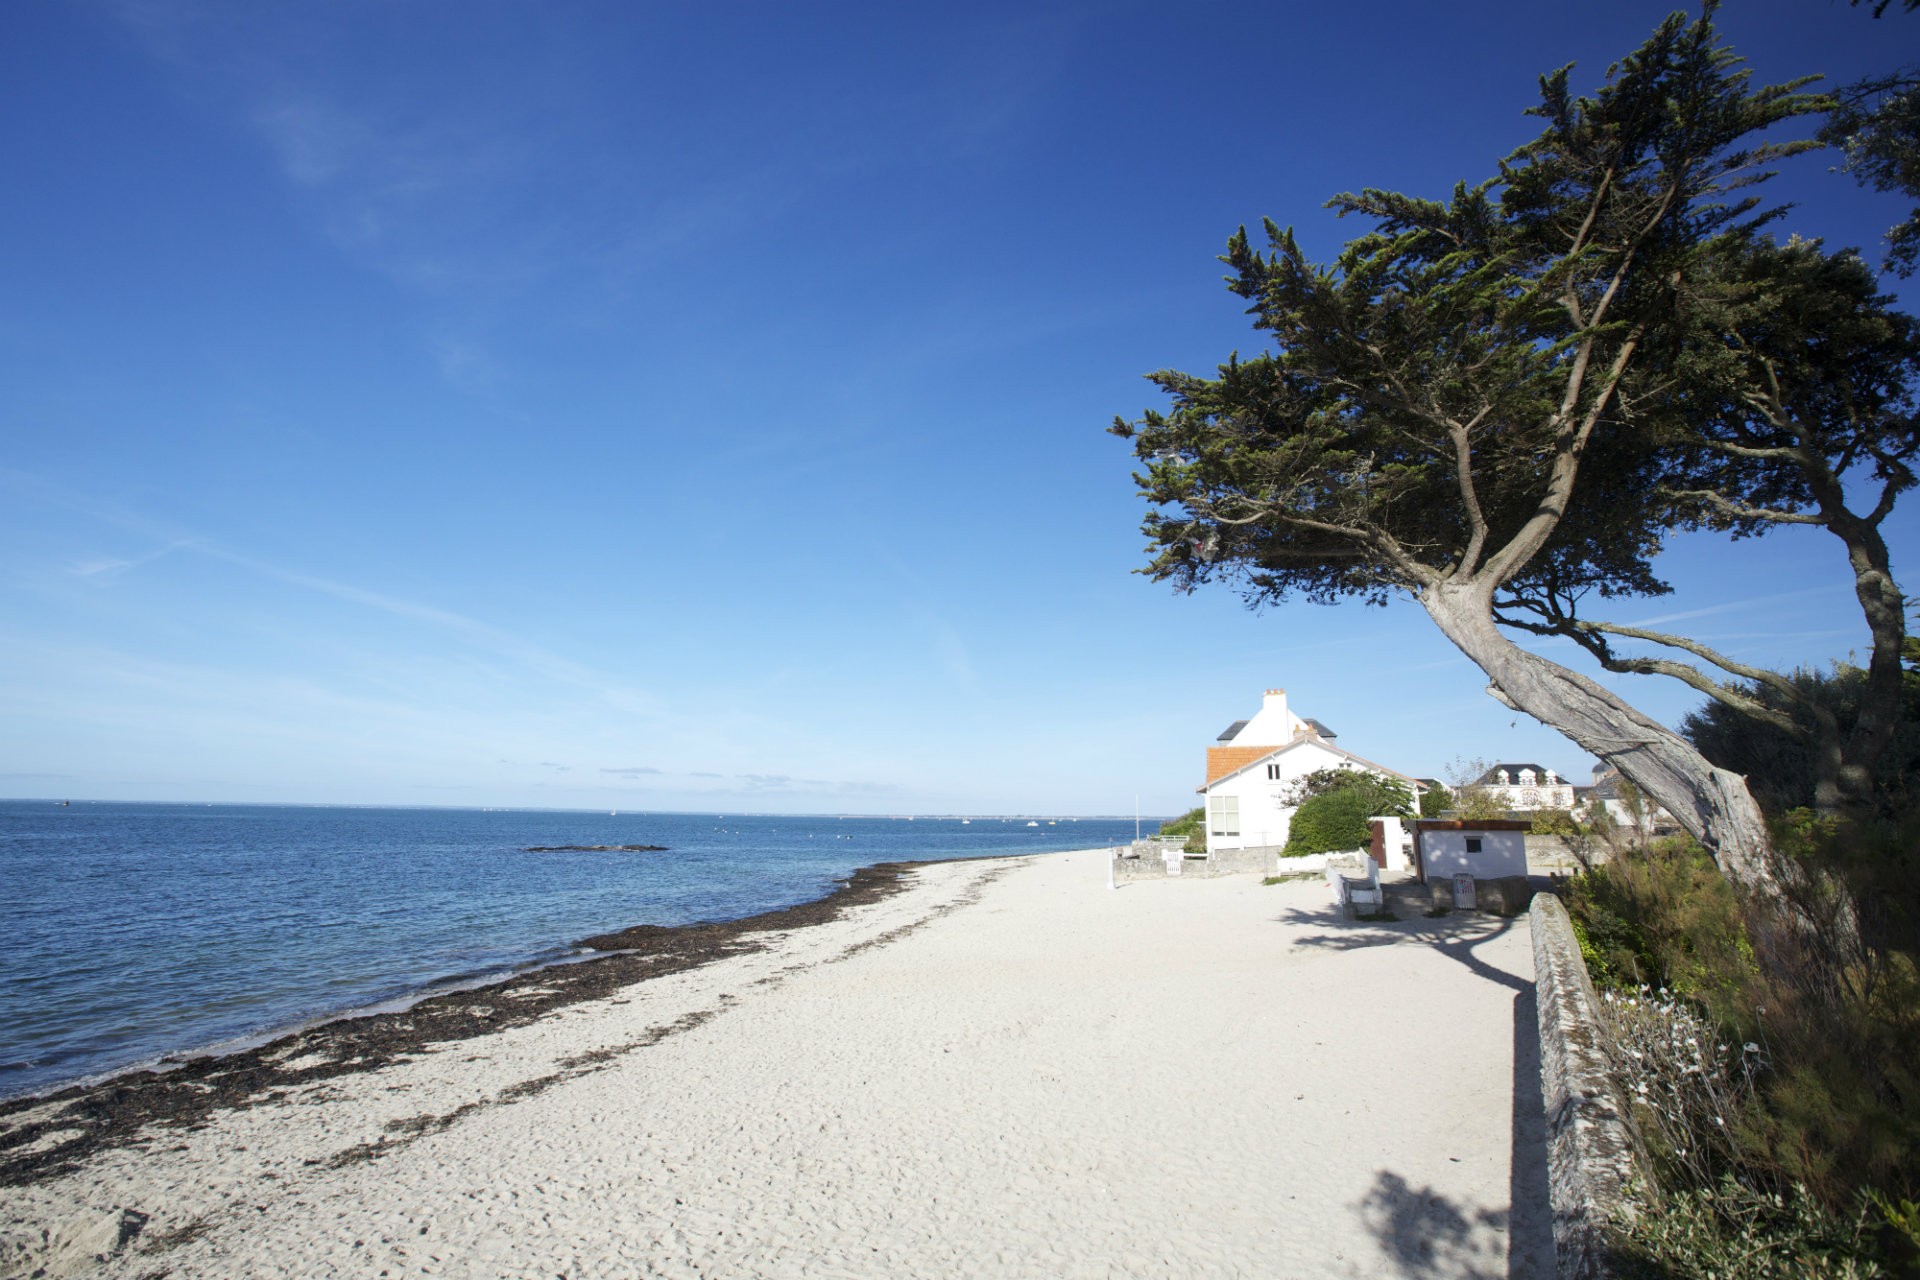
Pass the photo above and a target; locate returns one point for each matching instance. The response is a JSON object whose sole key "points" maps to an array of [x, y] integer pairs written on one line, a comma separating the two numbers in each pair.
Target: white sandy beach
{"points": [[1007, 1071]]}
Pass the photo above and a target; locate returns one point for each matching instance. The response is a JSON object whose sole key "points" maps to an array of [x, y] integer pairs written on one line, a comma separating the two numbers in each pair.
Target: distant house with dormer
{"points": [[1255, 766], [1525, 788]]}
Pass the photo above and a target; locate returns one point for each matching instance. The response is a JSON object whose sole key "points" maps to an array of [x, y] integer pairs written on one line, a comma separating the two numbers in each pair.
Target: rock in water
{"points": [[596, 848]]}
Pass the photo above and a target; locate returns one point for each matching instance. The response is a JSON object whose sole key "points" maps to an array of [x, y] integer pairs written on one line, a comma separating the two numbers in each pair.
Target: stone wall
{"points": [[1144, 861], [1590, 1146]]}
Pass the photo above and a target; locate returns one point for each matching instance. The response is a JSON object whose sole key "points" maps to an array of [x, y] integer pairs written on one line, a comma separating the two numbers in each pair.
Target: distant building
{"points": [[1254, 770], [1526, 788], [1624, 805]]}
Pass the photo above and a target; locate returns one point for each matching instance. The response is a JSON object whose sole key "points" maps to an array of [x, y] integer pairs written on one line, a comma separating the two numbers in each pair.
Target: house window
{"points": [[1473, 844], [1273, 773], [1226, 815]]}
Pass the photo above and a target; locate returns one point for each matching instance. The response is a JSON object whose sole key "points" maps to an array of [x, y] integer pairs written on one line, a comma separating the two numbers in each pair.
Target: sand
{"points": [[1008, 1070]]}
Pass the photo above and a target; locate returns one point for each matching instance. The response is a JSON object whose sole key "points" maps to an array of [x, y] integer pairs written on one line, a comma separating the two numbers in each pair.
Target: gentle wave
{"points": [[136, 932]]}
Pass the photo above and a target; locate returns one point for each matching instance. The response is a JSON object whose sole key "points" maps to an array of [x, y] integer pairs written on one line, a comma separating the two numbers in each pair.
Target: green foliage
{"points": [[1730, 1231], [1191, 820], [1782, 769], [1901, 1235], [1334, 821], [1387, 796], [1434, 801], [1336, 806], [1503, 402], [1485, 336], [1837, 1109], [1193, 825], [1876, 124], [1663, 916], [1556, 822], [1478, 804], [1337, 820]]}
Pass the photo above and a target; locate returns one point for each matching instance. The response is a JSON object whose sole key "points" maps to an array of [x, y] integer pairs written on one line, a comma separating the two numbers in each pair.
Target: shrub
{"points": [[1663, 916], [1331, 821], [1730, 1231], [1334, 807], [1193, 825], [1821, 1115], [1386, 795], [1555, 822], [1478, 804], [1690, 1091]]}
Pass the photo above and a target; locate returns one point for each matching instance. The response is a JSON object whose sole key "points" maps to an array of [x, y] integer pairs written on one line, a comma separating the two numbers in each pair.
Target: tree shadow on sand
{"points": [[1424, 1233], [1454, 936], [1427, 1235]]}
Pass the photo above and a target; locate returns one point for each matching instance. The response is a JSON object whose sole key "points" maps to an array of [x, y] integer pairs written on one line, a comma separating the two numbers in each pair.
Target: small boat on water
{"points": [[1033, 824]]}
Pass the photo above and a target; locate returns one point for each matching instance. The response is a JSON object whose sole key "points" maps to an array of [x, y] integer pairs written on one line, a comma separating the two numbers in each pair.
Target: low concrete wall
{"points": [[1133, 863], [1590, 1165]]}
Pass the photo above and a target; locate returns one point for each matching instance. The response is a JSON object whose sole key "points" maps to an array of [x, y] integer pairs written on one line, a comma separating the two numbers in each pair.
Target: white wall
{"points": [[1397, 840], [1502, 853], [1648, 818], [1272, 726], [1264, 817]]}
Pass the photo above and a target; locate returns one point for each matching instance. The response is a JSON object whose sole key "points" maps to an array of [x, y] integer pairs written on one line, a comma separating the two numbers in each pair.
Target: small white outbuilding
{"points": [[1447, 847]]}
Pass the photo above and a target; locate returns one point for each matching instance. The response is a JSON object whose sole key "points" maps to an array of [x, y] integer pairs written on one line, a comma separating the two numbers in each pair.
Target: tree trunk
{"points": [[1712, 804], [1880, 702]]}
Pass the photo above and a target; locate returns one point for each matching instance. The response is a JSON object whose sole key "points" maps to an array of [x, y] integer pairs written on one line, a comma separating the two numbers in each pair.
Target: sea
{"points": [[131, 933]]}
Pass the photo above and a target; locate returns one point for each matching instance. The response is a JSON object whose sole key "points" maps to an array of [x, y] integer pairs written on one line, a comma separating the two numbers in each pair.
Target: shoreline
{"points": [[186, 1087], [993, 1066]]}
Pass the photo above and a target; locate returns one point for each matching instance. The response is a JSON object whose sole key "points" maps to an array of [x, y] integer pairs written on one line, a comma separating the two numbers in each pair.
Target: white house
{"points": [[1631, 813], [1251, 775], [1526, 787]]}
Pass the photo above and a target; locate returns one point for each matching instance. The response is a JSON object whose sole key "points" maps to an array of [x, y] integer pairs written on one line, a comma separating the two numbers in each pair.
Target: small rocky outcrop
{"points": [[596, 848]]}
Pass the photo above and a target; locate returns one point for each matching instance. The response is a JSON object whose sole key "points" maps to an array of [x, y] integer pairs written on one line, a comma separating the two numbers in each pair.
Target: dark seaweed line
{"points": [[118, 1112]]}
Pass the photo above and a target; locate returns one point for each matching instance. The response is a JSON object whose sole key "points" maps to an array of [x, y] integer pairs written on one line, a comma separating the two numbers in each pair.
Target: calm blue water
{"points": [[131, 931]]}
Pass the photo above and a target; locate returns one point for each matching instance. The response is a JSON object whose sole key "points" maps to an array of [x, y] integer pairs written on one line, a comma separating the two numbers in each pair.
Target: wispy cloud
{"points": [[464, 364], [633, 772], [1730, 606], [315, 141], [110, 567], [480, 635]]}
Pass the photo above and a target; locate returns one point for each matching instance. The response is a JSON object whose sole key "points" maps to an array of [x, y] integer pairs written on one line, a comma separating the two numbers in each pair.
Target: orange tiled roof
{"points": [[1222, 761]]}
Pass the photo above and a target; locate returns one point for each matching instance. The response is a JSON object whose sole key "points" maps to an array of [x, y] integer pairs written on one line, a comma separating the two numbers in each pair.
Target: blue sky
{"points": [[703, 407]]}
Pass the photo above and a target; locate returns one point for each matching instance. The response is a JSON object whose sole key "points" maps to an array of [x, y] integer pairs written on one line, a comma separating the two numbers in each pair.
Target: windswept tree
{"points": [[1790, 403], [1478, 403], [1876, 125]]}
